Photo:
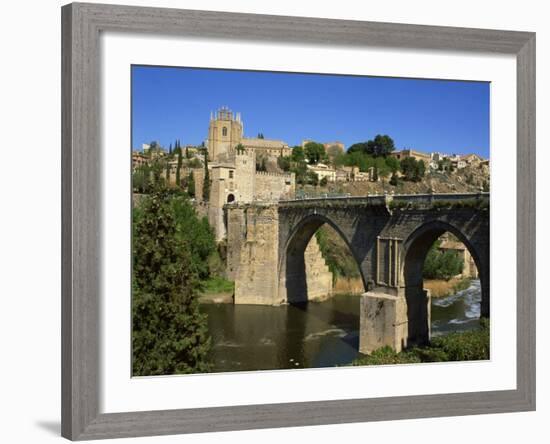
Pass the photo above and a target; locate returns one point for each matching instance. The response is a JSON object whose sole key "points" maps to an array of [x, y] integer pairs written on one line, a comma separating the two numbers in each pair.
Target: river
{"points": [[318, 334]]}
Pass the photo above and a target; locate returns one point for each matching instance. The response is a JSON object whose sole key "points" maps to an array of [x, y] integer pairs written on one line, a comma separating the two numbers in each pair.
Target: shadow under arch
{"points": [[415, 250], [292, 269]]}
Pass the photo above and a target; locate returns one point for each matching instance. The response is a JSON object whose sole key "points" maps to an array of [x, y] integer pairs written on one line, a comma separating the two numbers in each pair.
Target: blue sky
{"points": [[426, 115]]}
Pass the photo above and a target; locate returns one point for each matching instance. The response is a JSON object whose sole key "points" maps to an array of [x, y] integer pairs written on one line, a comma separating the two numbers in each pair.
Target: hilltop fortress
{"points": [[234, 178]]}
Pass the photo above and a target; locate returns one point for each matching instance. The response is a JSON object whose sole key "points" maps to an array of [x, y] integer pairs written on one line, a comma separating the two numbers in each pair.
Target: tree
{"points": [[412, 169], [313, 178], [314, 152], [394, 180], [169, 333], [156, 169], [168, 172], [260, 135], [324, 181], [441, 265], [196, 233], [381, 145], [206, 184], [178, 168], [300, 170], [170, 150], [298, 154], [141, 179], [360, 147], [283, 162], [187, 153], [393, 164], [191, 185], [240, 148]]}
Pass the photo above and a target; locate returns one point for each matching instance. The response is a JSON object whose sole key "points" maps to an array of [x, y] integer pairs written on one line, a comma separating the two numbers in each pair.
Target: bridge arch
{"points": [[292, 272], [414, 252]]}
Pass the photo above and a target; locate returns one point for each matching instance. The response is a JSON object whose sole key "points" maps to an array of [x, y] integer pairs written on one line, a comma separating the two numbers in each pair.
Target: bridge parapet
{"points": [[440, 200], [387, 199]]}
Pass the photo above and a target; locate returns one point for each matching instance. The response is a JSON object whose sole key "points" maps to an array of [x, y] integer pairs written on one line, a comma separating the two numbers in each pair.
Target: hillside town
{"points": [[228, 167]]}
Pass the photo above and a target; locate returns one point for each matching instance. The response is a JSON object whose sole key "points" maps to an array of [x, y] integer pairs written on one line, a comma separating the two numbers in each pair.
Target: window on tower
{"points": [[224, 131]]}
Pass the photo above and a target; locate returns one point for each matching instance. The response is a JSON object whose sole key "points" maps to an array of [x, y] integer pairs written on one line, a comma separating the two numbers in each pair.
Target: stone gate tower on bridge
{"points": [[233, 174]]}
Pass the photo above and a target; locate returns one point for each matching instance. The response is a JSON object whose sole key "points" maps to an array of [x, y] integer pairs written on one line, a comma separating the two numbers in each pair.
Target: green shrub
{"points": [[461, 346], [466, 346], [442, 265], [217, 284], [386, 355]]}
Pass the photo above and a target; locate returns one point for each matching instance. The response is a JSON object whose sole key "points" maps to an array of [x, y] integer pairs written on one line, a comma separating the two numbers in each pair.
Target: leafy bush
{"points": [[464, 346], [196, 233], [385, 356], [413, 169], [441, 265]]}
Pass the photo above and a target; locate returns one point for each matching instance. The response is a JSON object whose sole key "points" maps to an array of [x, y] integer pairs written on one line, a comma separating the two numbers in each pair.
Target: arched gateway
{"points": [[389, 237]]}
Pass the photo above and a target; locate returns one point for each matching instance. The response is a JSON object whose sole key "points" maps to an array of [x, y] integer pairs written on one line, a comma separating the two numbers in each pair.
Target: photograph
{"points": [[288, 220]]}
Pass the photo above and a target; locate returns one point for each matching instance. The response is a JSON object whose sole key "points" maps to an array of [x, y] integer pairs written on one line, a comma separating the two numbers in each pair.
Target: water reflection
{"points": [[318, 334]]}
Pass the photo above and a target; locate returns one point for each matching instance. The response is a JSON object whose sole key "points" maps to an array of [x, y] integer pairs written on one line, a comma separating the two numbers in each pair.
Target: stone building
{"points": [[232, 166], [138, 160], [225, 133], [323, 171], [417, 155]]}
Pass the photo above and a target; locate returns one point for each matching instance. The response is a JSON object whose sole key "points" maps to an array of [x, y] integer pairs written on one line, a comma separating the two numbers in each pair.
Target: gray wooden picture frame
{"points": [[81, 172]]}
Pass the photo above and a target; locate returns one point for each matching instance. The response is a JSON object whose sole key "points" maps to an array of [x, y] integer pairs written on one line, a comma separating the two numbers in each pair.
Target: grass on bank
{"points": [[217, 284], [442, 288], [461, 346]]}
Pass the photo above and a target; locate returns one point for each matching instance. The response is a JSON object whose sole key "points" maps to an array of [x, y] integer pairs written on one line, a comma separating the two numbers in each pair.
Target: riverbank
{"points": [[217, 290], [464, 346], [440, 288]]}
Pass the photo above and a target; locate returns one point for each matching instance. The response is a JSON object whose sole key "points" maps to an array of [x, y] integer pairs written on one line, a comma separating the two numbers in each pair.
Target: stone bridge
{"points": [[389, 237]]}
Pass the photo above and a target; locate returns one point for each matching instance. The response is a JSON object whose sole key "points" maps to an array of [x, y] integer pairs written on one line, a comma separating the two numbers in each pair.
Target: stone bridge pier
{"points": [[389, 238]]}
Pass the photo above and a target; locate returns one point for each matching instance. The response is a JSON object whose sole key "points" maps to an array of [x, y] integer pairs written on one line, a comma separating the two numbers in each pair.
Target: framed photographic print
{"points": [[279, 221]]}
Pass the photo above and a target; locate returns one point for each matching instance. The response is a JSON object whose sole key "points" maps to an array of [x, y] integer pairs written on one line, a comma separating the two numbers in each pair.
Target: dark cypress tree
{"points": [[168, 173], [206, 185], [169, 333], [170, 150], [178, 169], [191, 185]]}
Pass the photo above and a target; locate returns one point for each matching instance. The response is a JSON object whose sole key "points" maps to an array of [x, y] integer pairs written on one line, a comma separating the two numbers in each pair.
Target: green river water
{"points": [[318, 334]]}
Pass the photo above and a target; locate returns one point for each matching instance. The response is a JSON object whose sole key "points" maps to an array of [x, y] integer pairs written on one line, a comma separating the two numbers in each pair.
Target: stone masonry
{"points": [[389, 238]]}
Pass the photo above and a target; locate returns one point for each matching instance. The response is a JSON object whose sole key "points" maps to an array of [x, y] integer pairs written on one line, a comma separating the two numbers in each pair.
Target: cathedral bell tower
{"points": [[224, 133]]}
